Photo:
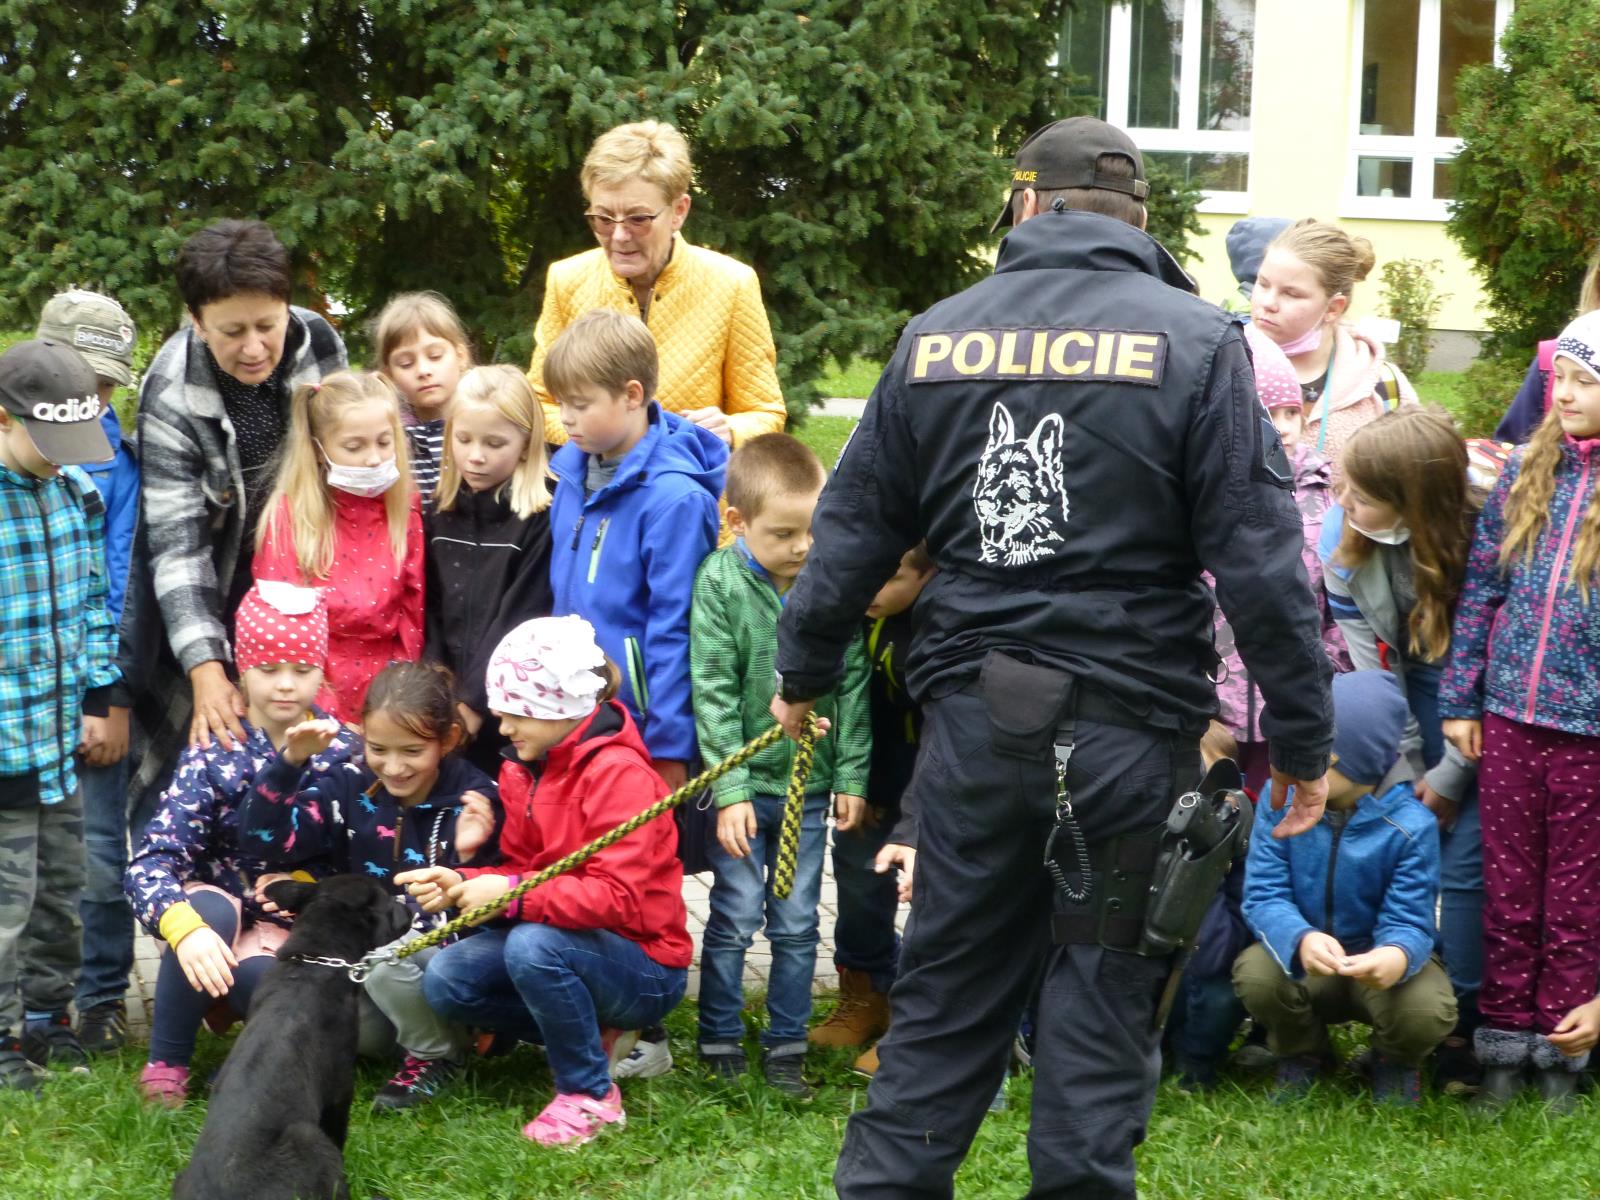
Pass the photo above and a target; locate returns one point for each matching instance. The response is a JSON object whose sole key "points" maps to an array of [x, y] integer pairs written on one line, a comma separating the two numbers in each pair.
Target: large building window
{"points": [[1405, 137], [1175, 74]]}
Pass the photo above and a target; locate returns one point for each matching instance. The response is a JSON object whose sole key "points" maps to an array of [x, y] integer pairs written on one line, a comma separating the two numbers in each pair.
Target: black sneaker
{"points": [[51, 1042], [17, 1074], [1296, 1077], [725, 1062], [103, 1028], [1395, 1083], [783, 1073], [416, 1082]]}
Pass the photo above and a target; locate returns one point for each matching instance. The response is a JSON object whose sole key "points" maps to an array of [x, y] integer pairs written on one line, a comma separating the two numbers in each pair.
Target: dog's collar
{"points": [[314, 960]]}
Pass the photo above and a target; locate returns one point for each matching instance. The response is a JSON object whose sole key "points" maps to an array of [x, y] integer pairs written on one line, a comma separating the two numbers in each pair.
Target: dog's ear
{"points": [[291, 895]]}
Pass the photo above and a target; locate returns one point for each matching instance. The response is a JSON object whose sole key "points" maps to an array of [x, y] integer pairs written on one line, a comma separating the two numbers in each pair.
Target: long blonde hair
{"points": [[506, 391], [1528, 508], [301, 486], [1339, 260], [1414, 461]]}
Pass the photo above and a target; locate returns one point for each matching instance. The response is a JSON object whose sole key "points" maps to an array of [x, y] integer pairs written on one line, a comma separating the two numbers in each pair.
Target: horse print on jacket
{"points": [[1019, 494]]}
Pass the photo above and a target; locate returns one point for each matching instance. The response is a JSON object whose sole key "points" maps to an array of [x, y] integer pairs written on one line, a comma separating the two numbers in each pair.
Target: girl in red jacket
{"points": [[585, 960], [344, 518]]}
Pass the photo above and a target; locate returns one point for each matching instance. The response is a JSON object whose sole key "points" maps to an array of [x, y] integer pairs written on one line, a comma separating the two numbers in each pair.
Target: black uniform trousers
{"points": [[978, 939]]}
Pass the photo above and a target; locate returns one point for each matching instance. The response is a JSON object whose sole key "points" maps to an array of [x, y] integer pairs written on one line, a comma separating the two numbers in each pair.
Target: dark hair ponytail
{"points": [[419, 697]]}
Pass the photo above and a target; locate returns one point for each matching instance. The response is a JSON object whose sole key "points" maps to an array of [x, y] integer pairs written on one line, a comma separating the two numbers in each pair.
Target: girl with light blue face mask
{"points": [[344, 517], [1395, 555]]}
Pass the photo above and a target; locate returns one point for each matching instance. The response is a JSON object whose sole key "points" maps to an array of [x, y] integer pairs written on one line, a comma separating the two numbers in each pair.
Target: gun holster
{"points": [[1207, 830]]}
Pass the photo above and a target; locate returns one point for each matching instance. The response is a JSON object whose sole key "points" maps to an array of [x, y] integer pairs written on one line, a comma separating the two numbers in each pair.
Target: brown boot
{"points": [[861, 1016], [867, 1064]]}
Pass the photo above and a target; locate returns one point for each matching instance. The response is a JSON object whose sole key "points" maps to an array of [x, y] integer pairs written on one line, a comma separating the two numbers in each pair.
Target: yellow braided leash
{"points": [[804, 753], [793, 808]]}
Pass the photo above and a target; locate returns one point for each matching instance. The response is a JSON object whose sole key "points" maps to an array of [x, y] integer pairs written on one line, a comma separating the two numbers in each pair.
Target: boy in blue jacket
{"points": [[634, 513], [99, 329], [1344, 914]]}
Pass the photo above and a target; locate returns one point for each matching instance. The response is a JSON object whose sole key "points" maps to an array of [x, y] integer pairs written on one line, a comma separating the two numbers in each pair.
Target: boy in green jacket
{"points": [[773, 485]]}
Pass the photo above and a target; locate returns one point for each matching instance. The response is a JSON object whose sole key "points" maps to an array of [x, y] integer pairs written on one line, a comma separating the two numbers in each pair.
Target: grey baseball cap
{"points": [[52, 390], [97, 327]]}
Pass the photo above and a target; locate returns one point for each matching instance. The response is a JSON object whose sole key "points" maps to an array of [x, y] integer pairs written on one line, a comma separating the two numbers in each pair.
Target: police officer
{"points": [[1077, 437]]}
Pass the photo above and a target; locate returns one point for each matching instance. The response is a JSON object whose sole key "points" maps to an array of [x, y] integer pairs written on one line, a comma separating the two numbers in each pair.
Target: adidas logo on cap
{"points": [[69, 411]]}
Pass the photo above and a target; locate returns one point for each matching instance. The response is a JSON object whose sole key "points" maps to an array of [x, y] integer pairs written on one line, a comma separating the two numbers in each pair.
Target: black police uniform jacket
{"points": [[488, 570], [1078, 437]]}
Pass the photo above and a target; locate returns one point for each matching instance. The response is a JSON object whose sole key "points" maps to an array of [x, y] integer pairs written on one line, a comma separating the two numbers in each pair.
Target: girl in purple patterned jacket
{"points": [[1523, 692]]}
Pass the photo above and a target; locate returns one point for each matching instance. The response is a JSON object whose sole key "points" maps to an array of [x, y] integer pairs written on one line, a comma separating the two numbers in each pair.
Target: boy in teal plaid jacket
{"points": [[773, 485], [57, 662]]}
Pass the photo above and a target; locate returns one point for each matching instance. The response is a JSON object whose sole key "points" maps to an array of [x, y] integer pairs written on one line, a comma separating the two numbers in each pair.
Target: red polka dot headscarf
{"points": [[279, 623], [1275, 378]]}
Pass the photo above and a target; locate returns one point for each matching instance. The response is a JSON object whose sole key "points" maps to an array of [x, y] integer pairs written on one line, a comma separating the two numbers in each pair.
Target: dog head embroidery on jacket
{"points": [[1019, 495]]}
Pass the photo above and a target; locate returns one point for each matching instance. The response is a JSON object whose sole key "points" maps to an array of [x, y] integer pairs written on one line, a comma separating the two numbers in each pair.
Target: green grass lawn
{"points": [[825, 435], [92, 1139]]}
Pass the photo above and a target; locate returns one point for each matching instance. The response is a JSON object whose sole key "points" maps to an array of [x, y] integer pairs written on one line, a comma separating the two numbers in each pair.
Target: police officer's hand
{"points": [[736, 825], [1321, 953], [792, 716], [897, 857], [1310, 797]]}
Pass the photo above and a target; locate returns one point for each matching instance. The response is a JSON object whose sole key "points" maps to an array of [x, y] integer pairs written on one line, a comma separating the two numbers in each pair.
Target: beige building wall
{"points": [[1302, 121]]}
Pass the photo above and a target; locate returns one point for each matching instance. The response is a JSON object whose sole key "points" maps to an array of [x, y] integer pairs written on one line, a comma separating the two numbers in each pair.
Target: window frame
{"points": [[1187, 138], [1422, 149]]}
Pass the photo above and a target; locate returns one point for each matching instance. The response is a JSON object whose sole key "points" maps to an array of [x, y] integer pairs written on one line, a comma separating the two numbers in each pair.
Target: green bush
{"points": [[1527, 210], [1411, 298], [1486, 390]]}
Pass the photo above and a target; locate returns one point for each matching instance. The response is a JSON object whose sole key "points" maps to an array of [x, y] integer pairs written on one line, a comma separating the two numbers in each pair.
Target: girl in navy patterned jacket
{"points": [[411, 804], [1523, 692], [194, 881]]}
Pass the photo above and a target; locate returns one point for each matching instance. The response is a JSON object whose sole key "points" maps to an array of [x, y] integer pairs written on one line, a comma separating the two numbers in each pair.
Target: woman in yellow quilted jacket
{"points": [[718, 365]]}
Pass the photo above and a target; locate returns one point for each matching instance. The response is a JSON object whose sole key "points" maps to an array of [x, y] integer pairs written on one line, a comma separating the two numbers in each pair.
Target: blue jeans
{"points": [[864, 937], [107, 919], [556, 986], [1460, 852], [1205, 1015], [741, 897]]}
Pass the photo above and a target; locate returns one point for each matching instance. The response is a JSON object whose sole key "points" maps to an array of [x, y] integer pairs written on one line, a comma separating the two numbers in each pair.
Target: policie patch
{"points": [[1067, 355]]}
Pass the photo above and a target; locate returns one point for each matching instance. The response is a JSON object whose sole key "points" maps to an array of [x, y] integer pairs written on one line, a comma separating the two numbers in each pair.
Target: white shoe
{"points": [[648, 1060]]}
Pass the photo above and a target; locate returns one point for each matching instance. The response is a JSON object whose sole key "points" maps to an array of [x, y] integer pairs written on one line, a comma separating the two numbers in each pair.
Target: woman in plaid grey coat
{"points": [[212, 408]]}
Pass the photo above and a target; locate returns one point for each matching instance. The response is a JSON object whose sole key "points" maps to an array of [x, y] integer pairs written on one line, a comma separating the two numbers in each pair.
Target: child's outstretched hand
{"points": [[207, 962], [1321, 953], [474, 824], [303, 740], [262, 881], [1379, 968], [1465, 736], [736, 825], [1579, 1029], [480, 889], [848, 811], [430, 887]]}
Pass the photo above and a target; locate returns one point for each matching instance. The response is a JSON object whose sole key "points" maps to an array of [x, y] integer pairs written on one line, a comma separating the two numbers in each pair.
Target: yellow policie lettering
{"points": [[1077, 355]]}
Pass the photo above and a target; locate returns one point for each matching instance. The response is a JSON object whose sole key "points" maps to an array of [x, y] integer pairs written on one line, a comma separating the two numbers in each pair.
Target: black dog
{"points": [[276, 1123]]}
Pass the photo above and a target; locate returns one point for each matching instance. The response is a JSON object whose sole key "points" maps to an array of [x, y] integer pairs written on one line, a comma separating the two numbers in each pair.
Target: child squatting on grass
{"points": [[584, 961], [413, 802], [194, 881], [1344, 912]]}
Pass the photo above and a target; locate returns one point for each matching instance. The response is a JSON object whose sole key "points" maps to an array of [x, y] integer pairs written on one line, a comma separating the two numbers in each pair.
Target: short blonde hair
{"points": [[649, 150], [603, 348], [410, 314], [301, 487], [507, 392]]}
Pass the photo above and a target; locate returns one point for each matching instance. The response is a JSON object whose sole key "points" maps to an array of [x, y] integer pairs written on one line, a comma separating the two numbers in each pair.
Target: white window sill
{"points": [[1394, 208]]}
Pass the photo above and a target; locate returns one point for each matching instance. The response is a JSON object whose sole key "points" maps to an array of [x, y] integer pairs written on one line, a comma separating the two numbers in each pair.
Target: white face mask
{"points": [[366, 482], [1398, 535]]}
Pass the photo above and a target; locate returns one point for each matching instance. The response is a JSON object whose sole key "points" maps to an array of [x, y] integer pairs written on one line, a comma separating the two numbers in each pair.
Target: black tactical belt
{"points": [[1123, 869]]}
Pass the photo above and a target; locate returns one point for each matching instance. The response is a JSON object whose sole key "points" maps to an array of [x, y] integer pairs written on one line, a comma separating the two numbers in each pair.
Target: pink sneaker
{"points": [[164, 1085], [572, 1119]]}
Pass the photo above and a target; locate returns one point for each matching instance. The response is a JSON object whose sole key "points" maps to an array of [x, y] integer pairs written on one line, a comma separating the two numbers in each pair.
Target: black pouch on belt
{"points": [[1026, 703]]}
